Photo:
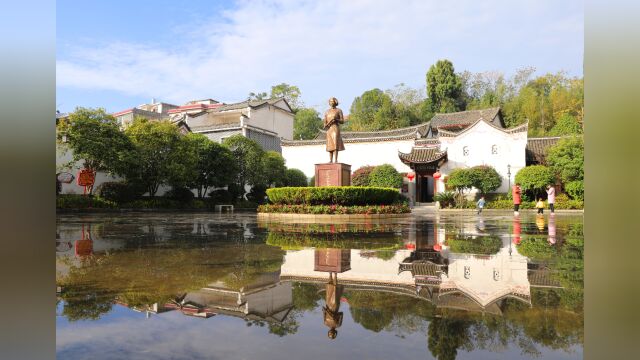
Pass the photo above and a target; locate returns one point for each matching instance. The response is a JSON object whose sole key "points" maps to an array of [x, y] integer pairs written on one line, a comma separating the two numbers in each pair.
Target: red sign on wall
{"points": [[86, 177]]}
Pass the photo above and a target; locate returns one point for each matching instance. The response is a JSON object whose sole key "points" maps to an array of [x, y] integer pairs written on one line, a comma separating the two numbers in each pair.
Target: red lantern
{"points": [[410, 246], [411, 175], [86, 177], [437, 175], [437, 247]]}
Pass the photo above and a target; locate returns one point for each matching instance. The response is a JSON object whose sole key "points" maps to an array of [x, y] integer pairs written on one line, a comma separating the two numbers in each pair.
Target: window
{"points": [[465, 151], [494, 150]]}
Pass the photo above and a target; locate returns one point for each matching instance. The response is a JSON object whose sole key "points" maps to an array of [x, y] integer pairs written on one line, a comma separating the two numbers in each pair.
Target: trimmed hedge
{"points": [[334, 195], [483, 245], [334, 209], [293, 241], [74, 201]]}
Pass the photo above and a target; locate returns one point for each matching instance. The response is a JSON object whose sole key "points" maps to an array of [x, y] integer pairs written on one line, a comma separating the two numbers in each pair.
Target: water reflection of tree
{"points": [[446, 336], [155, 275]]}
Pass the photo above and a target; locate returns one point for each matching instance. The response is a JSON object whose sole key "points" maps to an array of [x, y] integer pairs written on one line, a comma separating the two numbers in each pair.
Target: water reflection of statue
{"points": [[332, 315], [332, 120]]}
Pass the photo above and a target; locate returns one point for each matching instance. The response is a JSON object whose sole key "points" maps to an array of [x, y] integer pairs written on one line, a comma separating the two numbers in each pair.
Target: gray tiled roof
{"points": [[410, 132], [422, 155], [536, 151], [464, 118], [245, 104]]}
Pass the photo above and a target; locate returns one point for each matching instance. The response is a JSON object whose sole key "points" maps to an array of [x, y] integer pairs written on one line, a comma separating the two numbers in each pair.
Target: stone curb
{"points": [[326, 218]]}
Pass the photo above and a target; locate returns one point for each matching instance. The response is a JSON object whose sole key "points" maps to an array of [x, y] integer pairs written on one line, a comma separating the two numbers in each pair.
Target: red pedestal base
{"points": [[333, 174]]}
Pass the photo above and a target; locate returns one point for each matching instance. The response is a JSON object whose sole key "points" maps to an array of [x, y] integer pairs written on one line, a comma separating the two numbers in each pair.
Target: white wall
{"points": [[479, 140], [272, 119], [356, 154], [64, 157], [301, 263]]}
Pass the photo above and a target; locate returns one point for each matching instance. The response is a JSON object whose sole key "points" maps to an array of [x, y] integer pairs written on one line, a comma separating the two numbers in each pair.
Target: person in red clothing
{"points": [[516, 191]]}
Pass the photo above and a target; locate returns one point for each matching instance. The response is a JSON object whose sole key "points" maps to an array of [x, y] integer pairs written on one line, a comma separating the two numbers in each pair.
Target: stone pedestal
{"points": [[333, 174]]}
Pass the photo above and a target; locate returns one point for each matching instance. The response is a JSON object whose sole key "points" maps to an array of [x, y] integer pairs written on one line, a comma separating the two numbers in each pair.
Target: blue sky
{"points": [[120, 54]]}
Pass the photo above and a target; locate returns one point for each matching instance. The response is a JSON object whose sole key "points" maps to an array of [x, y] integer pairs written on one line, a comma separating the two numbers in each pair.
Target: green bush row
{"points": [[293, 241], [73, 201], [334, 195], [334, 209]]}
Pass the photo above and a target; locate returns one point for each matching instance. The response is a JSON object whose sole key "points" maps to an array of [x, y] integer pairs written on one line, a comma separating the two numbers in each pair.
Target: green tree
{"points": [[162, 153], [460, 179], [485, 178], [372, 111], [290, 93], [566, 158], [306, 124], [258, 96], [273, 169], [215, 165], [446, 336], [385, 176], [294, 177], [566, 125], [248, 157], [534, 179], [95, 138], [444, 87]]}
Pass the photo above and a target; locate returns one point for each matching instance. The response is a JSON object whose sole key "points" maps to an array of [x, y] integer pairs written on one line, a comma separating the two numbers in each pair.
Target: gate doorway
{"points": [[425, 189]]}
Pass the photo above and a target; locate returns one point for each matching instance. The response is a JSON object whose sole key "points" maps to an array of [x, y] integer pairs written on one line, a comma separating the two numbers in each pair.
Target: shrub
{"points": [[460, 179], [385, 176], [485, 245], [575, 189], [118, 192], [534, 179], [257, 194], [360, 177], [297, 241], [294, 177], [485, 178], [336, 195], [566, 158], [312, 181], [221, 196], [446, 199], [74, 201], [180, 194], [58, 186]]}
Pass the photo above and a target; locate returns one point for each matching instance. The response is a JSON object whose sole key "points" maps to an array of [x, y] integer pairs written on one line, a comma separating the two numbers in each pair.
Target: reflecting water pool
{"points": [[210, 286]]}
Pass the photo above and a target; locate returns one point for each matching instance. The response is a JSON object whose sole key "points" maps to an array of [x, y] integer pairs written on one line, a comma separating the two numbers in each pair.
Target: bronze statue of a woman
{"points": [[332, 120]]}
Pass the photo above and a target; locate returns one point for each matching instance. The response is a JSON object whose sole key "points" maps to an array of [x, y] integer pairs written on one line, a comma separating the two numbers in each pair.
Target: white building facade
{"points": [[447, 142]]}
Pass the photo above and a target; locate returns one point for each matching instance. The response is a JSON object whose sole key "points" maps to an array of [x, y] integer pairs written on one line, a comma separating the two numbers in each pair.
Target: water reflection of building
{"points": [[266, 298], [472, 282]]}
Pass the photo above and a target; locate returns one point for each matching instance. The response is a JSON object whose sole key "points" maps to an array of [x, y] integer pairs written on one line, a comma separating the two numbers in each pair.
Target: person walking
{"points": [[540, 206], [480, 204], [551, 197], [515, 192]]}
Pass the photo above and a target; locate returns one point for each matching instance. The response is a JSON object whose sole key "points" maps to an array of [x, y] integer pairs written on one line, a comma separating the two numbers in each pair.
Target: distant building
{"points": [[265, 121]]}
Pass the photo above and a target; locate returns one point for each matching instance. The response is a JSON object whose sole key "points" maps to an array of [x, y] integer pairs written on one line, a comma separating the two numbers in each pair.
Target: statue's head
{"points": [[332, 333], [333, 102]]}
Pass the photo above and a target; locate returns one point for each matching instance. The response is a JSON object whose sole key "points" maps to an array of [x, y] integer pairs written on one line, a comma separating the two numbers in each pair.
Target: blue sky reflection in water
{"points": [[136, 261]]}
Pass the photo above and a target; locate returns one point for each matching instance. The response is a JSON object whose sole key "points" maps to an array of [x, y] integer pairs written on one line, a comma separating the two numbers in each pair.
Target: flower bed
{"points": [[334, 209], [334, 195]]}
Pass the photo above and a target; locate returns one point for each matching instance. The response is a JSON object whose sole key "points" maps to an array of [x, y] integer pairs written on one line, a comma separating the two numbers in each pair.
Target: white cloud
{"points": [[327, 48]]}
